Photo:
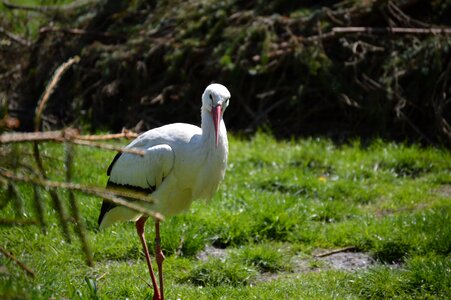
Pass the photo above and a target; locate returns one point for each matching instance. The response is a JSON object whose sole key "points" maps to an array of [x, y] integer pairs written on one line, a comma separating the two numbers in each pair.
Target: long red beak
{"points": [[216, 113]]}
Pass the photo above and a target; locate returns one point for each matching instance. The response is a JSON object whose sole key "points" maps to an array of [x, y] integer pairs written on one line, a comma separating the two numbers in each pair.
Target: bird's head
{"points": [[215, 100]]}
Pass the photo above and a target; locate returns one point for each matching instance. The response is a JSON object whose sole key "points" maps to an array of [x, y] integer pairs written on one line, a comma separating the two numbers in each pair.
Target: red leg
{"points": [[140, 229], [159, 256]]}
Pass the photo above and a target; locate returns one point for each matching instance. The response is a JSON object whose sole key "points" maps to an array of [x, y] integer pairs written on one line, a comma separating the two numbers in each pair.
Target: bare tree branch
{"points": [[15, 37], [80, 227], [124, 134], [376, 30], [18, 262], [401, 30], [50, 88], [71, 135], [111, 194], [77, 31]]}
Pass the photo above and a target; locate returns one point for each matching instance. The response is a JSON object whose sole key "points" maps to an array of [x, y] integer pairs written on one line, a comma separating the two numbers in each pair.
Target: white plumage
{"points": [[182, 162]]}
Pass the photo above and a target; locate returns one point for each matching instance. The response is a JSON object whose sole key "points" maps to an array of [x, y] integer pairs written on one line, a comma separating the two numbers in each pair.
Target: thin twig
{"points": [[397, 13], [21, 264], [14, 137], [124, 134], [345, 249], [71, 135], [18, 203], [37, 124], [141, 196], [402, 30], [376, 30], [101, 276], [15, 37], [77, 31], [39, 207], [14, 222], [66, 134], [79, 223], [57, 203], [113, 195], [109, 147], [11, 190], [50, 88]]}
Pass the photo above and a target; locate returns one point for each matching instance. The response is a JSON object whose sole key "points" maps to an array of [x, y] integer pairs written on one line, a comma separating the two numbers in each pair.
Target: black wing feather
{"points": [[108, 172], [107, 205]]}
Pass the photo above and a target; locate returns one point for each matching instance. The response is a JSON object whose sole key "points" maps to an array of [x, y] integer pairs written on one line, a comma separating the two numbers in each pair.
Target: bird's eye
{"points": [[211, 97]]}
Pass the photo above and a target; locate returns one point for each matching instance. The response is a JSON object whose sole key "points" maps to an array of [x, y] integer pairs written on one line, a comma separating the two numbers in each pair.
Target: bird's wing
{"points": [[138, 173], [147, 171]]}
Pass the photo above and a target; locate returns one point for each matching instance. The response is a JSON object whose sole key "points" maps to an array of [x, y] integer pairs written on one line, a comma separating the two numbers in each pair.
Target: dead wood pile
{"points": [[336, 68]]}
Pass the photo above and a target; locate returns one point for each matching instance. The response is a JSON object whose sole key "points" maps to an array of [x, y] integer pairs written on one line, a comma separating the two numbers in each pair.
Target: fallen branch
{"points": [[113, 195], [15, 37], [376, 30], [404, 30], [397, 13], [77, 31], [21, 264], [345, 249]]}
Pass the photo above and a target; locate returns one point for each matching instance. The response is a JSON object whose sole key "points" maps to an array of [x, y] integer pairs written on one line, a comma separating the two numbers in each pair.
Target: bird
{"points": [[181, 163]]}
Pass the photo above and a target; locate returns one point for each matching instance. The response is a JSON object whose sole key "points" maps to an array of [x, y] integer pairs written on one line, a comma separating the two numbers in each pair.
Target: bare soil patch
{"points": [[344, 261]]}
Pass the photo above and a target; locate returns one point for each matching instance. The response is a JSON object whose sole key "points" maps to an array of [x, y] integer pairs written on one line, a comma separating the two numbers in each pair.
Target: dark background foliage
{"points": [[146, 63]]}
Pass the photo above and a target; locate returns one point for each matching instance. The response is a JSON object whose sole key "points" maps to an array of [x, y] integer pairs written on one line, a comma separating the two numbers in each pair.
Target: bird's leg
{"points": [[140, 229], [159, 256]]}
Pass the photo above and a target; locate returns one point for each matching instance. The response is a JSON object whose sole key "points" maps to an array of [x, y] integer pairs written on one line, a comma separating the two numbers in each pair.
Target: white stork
{"points": [[182, 162]]}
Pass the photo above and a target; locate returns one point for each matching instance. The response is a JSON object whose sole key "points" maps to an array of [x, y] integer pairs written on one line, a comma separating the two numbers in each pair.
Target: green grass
{"points": [[24, 22], [280, 199]]}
